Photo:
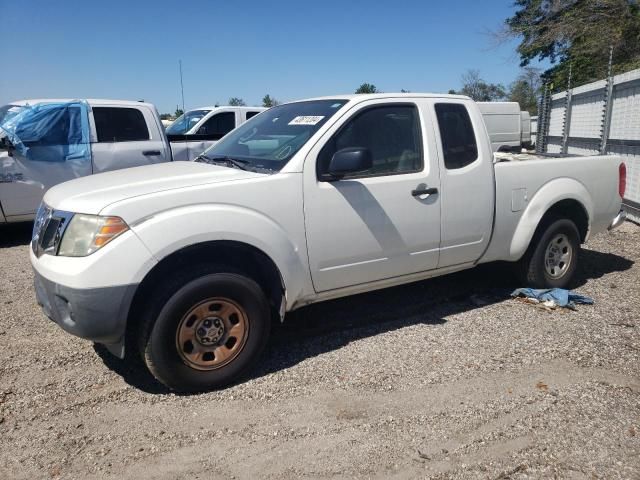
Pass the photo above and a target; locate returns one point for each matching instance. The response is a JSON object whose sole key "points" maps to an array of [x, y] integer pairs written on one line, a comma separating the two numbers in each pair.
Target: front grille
{"points": [[48, 228]]}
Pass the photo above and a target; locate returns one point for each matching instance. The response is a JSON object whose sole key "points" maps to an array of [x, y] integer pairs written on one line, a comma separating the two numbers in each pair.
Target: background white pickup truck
{"points": [[198, 129], [120, 134], [187, 263]]}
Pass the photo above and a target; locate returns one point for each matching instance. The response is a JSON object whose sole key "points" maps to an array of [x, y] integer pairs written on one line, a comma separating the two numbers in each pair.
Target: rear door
{"points": [[466, 175], [126, 136], [374, 225]]}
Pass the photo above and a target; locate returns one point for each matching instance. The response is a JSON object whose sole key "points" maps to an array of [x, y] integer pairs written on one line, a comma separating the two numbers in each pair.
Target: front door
{"points": [[52, 146], [378, 223]]}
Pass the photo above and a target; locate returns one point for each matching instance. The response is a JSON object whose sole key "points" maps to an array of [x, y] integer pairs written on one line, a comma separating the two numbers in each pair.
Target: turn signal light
{"points": [[112, 227]]}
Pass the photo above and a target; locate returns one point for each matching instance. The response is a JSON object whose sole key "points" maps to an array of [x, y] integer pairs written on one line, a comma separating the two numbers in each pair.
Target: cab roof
{"points": [[374, 96], [90, 101]]}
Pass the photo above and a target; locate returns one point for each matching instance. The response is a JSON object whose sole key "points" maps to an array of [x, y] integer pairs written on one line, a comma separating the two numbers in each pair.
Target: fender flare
{"points": [[546, 197], [172, 230]]}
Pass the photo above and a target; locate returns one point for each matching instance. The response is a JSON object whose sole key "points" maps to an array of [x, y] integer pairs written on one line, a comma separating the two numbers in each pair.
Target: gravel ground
{"points": [[447, 378]]}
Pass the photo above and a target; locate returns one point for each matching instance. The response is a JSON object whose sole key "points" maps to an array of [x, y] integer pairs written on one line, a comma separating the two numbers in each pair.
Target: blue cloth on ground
{"points": [[560, 296]]}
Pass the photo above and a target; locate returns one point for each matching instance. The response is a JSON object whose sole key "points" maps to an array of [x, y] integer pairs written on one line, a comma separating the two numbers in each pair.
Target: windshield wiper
{"points": [[228, 161]]}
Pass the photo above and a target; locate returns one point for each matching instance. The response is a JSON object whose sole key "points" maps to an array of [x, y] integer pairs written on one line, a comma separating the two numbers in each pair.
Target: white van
{"points": [[509, 128]]}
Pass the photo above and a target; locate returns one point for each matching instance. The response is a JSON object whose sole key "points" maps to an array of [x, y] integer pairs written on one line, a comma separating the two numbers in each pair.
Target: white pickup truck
{"points": [[64, 139], [187, 263], [196, 130]]}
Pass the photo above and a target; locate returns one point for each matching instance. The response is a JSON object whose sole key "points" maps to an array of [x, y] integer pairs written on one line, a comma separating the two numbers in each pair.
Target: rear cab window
{"points": [[120, 124], [458, 138]]}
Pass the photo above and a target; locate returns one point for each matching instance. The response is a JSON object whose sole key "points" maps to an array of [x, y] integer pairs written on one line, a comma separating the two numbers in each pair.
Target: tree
{"points": [[268, 101], [526, 89], [475, 87], [367, 88], [166, 116], [576, 34], [236, 102], [178, 112]]}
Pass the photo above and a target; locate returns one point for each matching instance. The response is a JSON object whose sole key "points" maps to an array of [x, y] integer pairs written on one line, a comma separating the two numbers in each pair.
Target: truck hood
{"points": [[91, 194]]}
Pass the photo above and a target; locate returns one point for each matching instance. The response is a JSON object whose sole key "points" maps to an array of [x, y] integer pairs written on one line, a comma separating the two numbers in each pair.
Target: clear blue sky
{"points": [[290, 49]]}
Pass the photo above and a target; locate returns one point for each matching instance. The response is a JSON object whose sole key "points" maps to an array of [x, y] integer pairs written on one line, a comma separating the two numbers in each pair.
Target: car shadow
{"points": [[132, 371], [330, 325], [15, 234]]}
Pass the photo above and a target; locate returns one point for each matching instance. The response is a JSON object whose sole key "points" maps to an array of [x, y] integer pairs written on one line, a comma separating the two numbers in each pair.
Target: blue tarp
{"points": [[560, 296], [50, 131]]}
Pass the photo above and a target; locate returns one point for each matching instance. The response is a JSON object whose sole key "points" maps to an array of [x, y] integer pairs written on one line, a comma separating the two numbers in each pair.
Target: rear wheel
{"points": [[207, 330], [552, 256]]}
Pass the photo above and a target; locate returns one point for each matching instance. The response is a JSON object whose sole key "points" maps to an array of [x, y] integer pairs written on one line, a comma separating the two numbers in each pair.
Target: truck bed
{"points": [[524, 180], [526, 155]]}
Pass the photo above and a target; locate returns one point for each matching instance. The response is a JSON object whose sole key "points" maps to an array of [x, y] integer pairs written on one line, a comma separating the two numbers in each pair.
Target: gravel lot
{"points": [[447, 378]]}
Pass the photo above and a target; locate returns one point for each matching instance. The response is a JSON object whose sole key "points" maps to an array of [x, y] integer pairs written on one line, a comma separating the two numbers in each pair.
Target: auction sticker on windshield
{"points": [[306, 120]]}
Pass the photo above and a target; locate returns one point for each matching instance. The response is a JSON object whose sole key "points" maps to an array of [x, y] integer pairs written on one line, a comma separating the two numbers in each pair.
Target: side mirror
{"points": [[350, 160], [5, 144]]}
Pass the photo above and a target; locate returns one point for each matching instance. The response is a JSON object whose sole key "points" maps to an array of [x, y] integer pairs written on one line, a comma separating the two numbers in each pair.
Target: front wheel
{"points": [[552, 257], [207, 333]]}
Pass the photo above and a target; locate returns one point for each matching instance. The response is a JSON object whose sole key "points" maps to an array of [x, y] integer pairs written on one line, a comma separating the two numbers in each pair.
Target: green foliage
{"points": [[178, 112], [367, 88], [268, 101], [166, 116], [236, 102], [526, 90], [475, 87], [576, 33]]}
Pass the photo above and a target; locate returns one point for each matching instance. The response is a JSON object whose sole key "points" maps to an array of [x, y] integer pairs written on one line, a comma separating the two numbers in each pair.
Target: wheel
{"points": [[552, 256], [207, 330]]}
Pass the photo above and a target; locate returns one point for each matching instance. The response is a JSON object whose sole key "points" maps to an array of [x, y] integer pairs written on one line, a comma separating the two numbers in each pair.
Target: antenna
{"points": [[181, 85], [186, 142]]}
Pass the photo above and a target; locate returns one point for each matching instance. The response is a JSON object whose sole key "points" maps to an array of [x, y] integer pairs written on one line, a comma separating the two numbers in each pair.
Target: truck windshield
{"points": [[186, 122], [269, 140]]}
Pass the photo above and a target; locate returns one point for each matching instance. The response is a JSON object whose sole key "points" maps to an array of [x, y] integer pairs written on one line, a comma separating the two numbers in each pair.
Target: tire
{"points": [[187, 340], [559, 239]]}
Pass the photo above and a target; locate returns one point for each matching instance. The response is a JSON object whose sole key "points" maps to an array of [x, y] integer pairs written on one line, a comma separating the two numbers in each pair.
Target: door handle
{"points": [[424, 191], [151, 153]]}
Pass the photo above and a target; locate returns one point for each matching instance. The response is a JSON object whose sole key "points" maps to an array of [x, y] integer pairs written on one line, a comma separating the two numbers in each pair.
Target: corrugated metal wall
{"points": [[584, 121], [534, 128]]}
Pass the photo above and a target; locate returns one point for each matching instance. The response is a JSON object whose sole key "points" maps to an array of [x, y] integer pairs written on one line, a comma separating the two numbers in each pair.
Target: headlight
{"points": [[88, 233]]}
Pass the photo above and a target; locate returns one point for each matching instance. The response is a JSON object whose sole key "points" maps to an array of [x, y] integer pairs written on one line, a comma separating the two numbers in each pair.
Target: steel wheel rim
{"points": [[212, 333], [558, 256]]}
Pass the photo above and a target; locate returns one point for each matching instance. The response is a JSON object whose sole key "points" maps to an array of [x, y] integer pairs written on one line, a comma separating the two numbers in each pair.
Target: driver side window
{"points": [[390, 132], [219, 125]]}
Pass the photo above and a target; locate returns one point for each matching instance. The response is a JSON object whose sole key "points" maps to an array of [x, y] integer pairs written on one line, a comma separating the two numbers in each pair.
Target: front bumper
{"points": [[619, 220], [97, 314]]}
